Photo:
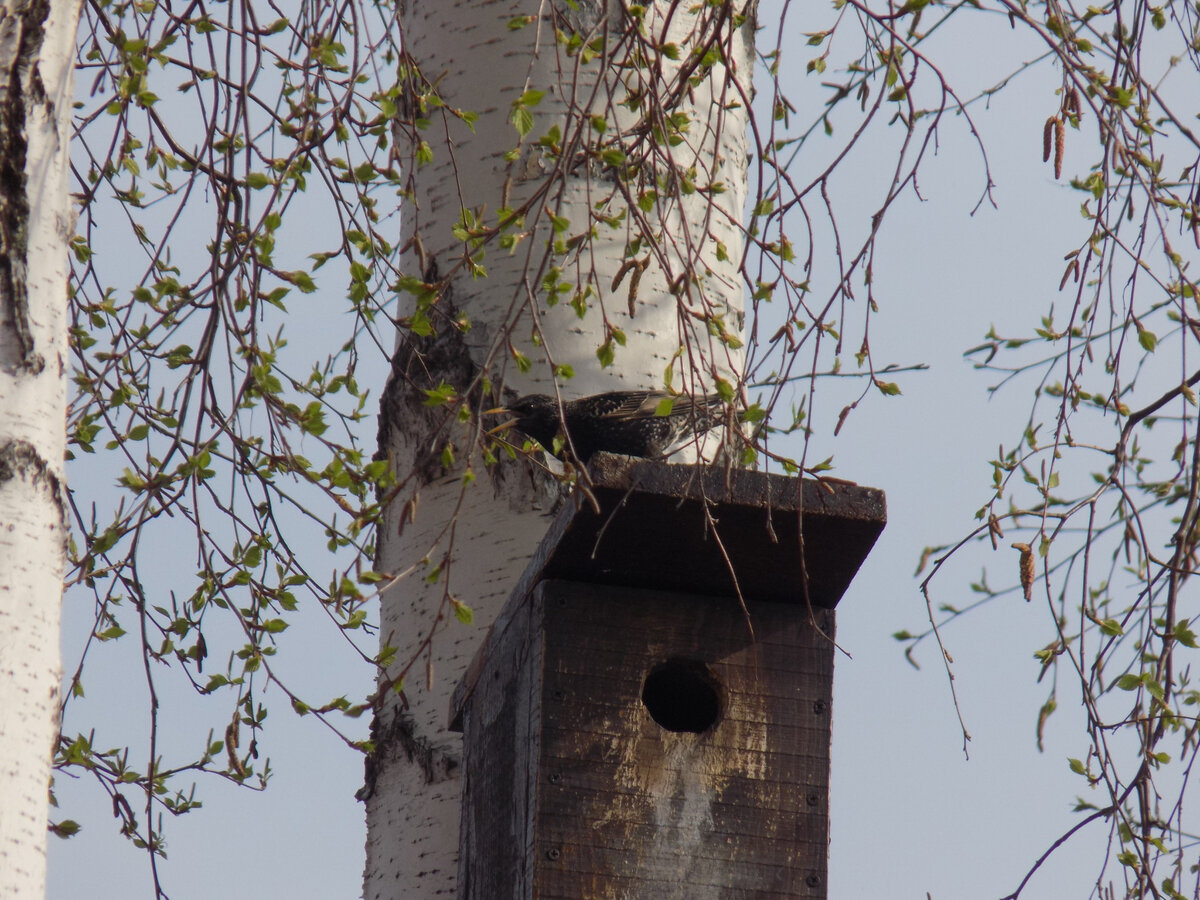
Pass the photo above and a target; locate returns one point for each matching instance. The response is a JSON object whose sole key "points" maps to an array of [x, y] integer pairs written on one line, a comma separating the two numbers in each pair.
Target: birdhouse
{"points": [[650, 715]]}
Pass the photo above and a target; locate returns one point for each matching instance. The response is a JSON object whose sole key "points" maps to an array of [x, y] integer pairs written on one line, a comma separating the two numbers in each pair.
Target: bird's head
{"points": [[535, 416]]}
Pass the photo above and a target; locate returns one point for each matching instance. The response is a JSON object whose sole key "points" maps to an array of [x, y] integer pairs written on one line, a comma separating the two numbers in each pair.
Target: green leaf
{"points": [[1155, 689], [420, 325], [613, 156], [65, 829], [1123, 97], [1111, 627], [522, 120], [300, 279], [215, 682], [440, 395], [753, 413], [1184, 634]]}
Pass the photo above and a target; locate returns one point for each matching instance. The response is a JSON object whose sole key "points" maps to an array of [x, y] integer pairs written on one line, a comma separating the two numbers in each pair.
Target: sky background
{"points": [[911, 816]]}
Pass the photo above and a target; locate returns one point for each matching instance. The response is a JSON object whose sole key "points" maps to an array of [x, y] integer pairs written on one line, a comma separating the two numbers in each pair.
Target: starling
{"points": [[616, 422]]}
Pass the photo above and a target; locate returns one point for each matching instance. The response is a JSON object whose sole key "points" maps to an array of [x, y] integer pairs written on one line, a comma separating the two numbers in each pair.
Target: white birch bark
{"points": [[36, 47], [690, 287]]}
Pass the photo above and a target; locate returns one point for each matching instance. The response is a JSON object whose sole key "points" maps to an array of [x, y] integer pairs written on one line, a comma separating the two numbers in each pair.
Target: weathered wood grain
{"points": [[574, 790]]}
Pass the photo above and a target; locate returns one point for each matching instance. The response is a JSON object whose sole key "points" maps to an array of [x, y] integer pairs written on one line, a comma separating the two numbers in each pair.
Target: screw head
{"points": [[553, 854]]}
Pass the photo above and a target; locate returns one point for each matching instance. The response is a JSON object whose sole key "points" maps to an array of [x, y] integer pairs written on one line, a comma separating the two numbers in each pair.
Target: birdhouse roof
{"points": [[708, 530]]}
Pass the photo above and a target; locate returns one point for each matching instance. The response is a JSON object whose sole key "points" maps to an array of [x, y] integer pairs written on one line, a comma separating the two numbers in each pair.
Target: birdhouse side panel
{"points": [[501, 736]]}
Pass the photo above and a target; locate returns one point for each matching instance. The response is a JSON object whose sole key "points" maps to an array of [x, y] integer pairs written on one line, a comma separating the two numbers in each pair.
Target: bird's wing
{"points": [[644, 405], [634, 404]]}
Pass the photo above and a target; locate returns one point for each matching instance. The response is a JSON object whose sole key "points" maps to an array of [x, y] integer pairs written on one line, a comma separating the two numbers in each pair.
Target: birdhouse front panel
{"points": [[681, 753]]}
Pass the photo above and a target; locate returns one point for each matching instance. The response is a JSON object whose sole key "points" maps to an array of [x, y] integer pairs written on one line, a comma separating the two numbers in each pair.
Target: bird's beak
{"points": [[503, 426]]}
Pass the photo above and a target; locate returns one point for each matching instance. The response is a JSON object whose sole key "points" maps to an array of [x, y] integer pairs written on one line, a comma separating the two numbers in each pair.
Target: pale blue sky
{"points": [[910, 816]]}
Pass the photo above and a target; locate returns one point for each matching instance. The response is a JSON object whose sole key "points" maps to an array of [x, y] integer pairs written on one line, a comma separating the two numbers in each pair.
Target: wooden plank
{"points": [[501, 748], [700, 528], [703, 878], [739, 810]]}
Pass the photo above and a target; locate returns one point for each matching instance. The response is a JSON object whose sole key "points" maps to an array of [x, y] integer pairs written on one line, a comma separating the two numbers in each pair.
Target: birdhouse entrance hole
{"points": [[681, 696]]}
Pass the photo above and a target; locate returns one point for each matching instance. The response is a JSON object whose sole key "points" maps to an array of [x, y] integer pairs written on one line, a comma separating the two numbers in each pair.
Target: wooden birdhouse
{"points": [[650, 714]]}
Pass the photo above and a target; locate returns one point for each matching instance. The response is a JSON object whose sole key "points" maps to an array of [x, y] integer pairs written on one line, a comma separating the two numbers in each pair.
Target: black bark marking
{"points": [[400, 737], [20, 87]]}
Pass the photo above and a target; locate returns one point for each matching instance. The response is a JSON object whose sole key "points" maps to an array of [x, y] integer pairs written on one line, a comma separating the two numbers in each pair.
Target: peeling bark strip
{"points": [[401, 738], [21, 35], [420, 364]]}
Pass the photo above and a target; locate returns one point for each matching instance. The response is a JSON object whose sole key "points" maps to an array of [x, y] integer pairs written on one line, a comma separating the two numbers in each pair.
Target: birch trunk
{"points": [[36, 45], [628, 229]]}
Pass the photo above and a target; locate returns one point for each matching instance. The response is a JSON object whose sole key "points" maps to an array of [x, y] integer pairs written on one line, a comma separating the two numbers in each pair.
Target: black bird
{"points": [[625, 422]]}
